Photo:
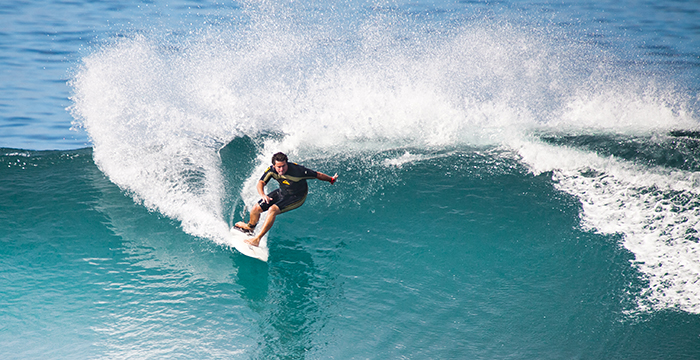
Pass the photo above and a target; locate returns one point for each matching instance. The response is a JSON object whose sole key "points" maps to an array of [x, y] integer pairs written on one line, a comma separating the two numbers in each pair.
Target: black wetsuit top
{"points": [[293, 182]]}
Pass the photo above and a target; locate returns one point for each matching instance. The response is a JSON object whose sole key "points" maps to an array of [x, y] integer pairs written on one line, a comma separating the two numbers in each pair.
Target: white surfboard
{"points": [[237, 240]]}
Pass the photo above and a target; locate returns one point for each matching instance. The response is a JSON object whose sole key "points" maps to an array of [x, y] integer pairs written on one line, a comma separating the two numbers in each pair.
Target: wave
{"points": [[160, 109], [655, 208]]}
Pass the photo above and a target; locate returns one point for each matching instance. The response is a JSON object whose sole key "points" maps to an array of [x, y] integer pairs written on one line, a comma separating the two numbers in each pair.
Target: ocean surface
{"points": [[517, 179]]}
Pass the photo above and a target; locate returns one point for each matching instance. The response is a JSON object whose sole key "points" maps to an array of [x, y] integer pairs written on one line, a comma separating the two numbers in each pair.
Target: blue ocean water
{"points": [[518, 179]]}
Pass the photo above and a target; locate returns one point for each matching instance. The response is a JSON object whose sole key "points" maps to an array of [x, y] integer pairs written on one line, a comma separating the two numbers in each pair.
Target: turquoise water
{"points": [[517, 180]]}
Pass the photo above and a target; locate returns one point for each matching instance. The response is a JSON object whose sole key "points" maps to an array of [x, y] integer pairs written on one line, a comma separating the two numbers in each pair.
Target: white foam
{"points": [[656, 210], [408, 158], [629, 107], [146, 140]]}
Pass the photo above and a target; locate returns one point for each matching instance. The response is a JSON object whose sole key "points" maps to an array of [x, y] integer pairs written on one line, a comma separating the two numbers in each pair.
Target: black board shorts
{"points": [[284, 202]]}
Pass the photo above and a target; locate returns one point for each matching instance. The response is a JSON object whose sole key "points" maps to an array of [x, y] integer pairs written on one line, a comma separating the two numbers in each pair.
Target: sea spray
{"points": [[158, 109]]}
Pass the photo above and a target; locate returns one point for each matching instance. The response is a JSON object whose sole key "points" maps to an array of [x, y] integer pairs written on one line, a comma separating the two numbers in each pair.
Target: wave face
{"points": [[436, 253], [387, 90]]}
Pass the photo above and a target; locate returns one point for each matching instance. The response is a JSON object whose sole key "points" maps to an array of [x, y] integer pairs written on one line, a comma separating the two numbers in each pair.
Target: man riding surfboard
{"points": [[290, 195]]}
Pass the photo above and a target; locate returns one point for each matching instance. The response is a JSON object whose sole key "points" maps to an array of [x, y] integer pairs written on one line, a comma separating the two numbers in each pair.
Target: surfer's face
{"points": [[281, 167]]}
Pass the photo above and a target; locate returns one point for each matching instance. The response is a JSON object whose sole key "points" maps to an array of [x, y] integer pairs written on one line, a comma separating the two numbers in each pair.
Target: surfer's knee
{"points": [[274, 209]]}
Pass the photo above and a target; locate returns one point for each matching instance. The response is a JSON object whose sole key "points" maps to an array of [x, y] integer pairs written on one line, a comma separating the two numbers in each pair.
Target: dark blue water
{"points": [[517, 180]]}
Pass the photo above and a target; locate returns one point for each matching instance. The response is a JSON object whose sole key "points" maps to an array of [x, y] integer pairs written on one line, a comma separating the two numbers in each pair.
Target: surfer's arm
{"points": [[261, 191], [323, 177]]}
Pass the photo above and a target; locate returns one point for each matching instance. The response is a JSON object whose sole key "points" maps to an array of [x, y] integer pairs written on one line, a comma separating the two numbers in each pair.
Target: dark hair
{"points": [[279, 157]]}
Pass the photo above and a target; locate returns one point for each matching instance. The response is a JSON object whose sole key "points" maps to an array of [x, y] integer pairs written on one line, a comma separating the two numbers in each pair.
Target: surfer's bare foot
{"points": [[254, 241], [244, 226]]}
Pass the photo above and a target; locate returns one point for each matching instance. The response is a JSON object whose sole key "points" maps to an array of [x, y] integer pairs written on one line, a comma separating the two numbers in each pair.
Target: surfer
{"points": [[290, 195]]}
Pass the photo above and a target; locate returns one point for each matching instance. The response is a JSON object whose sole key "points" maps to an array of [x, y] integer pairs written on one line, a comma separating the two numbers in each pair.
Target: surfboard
{"points": [[238, 238]]}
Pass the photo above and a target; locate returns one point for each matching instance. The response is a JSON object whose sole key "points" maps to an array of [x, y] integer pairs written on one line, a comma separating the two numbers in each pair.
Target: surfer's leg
{"points": [[269, 221], [254, 218], [255, 215], [260, 208]]}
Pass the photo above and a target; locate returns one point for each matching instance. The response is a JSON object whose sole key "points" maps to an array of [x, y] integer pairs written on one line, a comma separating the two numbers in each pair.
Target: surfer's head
{"points": [[279, 162], [279, 157]]}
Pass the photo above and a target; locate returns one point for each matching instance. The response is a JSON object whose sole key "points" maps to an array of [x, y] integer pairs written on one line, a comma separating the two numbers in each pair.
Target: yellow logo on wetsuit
{"points": [[286, 182]]}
